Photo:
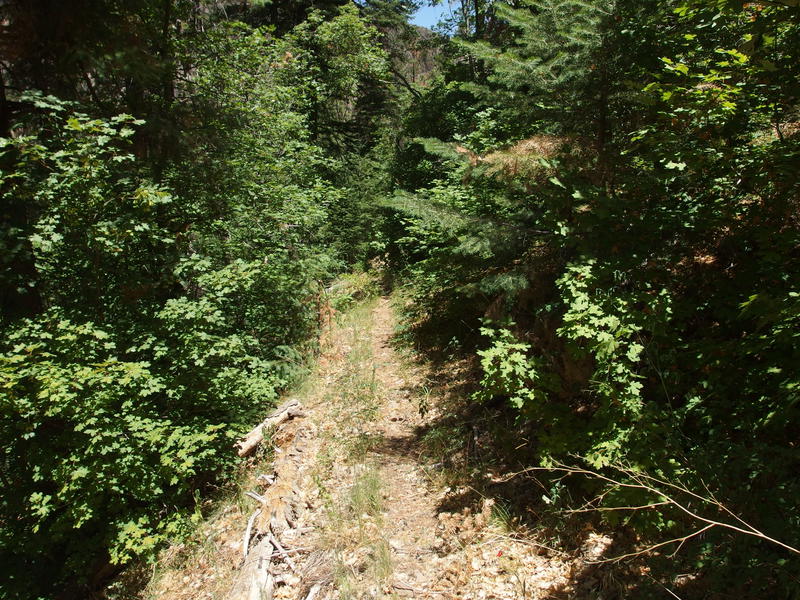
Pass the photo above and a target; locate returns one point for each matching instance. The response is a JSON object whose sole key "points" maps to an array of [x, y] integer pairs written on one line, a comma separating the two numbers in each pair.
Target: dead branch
{"points": [[588, 507], [418, 591], [524, 542], [664, 490], [287, 411], [680, 541], [256, 579], [254, 496], [312, 593], [248, 531], [665, 588], [282, 551]]}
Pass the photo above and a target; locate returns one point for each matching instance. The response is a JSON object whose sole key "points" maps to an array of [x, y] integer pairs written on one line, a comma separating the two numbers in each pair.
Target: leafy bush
{"points": [[161, 273], [151, 323], [351, 288], [119, 400]]}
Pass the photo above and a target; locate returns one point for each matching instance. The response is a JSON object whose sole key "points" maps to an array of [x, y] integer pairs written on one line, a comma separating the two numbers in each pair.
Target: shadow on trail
{"points": [[396, 446], [475, 450]]}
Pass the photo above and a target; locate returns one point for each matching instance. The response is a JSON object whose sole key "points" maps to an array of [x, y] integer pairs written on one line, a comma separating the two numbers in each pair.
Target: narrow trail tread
{"points": [[363, 428], [355, 506]]}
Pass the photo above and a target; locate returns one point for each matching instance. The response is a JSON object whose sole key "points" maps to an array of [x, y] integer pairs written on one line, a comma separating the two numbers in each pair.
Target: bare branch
{"points": [[246, 539], [612, 508], [649, 549], [282, 551], [664, 490]]}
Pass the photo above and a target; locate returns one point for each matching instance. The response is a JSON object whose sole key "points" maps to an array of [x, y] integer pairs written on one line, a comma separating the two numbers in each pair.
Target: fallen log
{"points": [[285, 412], [262, 581], [261, 565]]}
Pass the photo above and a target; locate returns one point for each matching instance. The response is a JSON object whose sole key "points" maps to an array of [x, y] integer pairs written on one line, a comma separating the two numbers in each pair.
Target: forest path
{"points": [[371, 516], [375, 512]]}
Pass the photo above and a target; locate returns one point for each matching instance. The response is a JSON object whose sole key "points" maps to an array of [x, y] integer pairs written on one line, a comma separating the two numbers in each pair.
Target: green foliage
{"points": [[606, 328], [352, 288], [549, 64], [628, 199], [122, 396], [508, 370], [452, 240], [94, 215], [164, 288], [90, 444], [344, 71]]}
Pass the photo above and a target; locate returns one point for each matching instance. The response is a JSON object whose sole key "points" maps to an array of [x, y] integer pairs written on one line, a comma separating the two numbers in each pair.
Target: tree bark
{"points": [[5, 113]]}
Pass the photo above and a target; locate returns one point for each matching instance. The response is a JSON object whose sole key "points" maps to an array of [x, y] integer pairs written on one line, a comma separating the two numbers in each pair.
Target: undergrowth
{"points": [[205, 557]]}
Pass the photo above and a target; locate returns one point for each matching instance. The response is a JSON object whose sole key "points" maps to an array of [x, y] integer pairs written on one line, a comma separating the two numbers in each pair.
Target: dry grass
{"points": [[524, 158], [351, 533]]}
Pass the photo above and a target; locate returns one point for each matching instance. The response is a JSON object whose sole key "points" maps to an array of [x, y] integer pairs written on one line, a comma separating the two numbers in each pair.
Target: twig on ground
{"points": [[282, 551], [666, 589], [526, 542], [312, 593], [246, 539], [418, 591], [255, 496]]}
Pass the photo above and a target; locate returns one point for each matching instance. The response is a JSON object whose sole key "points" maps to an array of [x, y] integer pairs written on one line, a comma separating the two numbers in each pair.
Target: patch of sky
{"points": [[428, 16]]}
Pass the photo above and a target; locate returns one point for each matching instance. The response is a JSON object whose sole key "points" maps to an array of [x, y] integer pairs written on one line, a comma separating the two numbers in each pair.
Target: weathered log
{"points": [[275, 515], [262, 582], [285, 412]]}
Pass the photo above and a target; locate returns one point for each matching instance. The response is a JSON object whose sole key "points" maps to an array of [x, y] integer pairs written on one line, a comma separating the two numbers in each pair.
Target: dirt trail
{"points": [[368, 512], [374, 511], [411, 503], [371, 511]]}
